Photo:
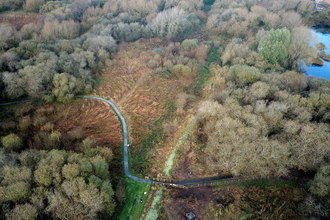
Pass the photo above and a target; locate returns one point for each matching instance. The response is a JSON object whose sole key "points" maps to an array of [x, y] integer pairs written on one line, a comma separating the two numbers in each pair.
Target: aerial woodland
{"points": [[259, 114]]}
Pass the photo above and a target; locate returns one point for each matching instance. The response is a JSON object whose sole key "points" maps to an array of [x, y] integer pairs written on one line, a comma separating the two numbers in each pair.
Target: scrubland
{"points": [[237, 67]]}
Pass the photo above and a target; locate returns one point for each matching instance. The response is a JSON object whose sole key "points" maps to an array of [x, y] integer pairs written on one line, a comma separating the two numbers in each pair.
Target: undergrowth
{"points": [[138, 163], [270, 202], [195, 88]]}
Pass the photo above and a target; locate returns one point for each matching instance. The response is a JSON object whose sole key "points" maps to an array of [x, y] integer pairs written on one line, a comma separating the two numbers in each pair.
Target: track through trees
{"points": [[181, 184]]}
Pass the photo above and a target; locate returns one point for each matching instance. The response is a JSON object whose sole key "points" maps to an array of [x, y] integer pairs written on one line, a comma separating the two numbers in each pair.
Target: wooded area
{"points": [[264, 116]]}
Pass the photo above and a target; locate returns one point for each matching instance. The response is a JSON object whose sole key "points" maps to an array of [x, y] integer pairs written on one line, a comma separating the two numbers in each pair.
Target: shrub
{"points": [[244, 75], [127, 32], [293, 81], [319, 185], [290, 20], [63, 30], [24, 123], [274, 45], [27, 49], [66, 46], [66, 86], [189, 44], [258, 90], [201, 52], [13, 85], [181, 70], [95, 43], [18, 192], [8, 36], [70, 171], [10, 61], [11, 4], [90, 16], [78, 8], [24, 212], [37, 79], [33, 5], [16, 174], [182, 99], [170, 22], [12, 142], [50, 6]]}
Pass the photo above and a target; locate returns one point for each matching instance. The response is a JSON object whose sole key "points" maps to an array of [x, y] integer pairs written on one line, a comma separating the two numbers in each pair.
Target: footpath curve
{"points": [[125, 143]]}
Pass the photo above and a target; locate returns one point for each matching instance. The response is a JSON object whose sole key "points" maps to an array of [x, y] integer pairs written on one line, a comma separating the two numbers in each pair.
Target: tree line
{"points": [[38, 184], [58, 56]]}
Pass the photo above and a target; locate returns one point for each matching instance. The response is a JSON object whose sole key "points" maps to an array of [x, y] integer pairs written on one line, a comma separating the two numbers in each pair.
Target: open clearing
{"points": [[141, 96]]}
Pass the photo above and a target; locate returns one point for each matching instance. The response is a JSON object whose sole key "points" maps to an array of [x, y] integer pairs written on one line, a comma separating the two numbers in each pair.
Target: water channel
{"points": [[323, 34]]}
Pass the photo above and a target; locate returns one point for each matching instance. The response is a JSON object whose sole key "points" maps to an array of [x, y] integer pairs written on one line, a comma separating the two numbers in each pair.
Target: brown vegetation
{"points": [[233, 202], [19, 20], [141, 96], [237, 72]]}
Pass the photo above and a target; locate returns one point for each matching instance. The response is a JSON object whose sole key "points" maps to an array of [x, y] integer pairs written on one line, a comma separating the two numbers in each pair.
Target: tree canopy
{"points": [[274, 45]]}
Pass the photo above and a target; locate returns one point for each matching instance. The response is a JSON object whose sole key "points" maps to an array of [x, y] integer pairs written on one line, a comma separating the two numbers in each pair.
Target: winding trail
{"points": [[180, 184]]}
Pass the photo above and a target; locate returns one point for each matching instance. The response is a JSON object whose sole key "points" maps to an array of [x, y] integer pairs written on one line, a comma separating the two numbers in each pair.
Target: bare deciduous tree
{"points": [[290, 20], [170, 22], [300, 48], [25, 212]]}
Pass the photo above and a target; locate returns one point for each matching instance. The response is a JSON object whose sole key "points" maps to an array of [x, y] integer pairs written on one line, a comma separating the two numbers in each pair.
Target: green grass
{"points": [[213, 56], [98, 81], [153, 213], [138, 166], [196, 87], [134, 190]]}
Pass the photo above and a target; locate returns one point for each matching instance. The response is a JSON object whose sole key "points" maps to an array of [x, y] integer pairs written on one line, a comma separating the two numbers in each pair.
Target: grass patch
{"points": [[153, 213], [213, 56], [133, 207], [196, 87], [98, 81], [170, 161]]}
